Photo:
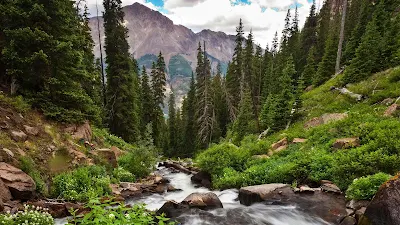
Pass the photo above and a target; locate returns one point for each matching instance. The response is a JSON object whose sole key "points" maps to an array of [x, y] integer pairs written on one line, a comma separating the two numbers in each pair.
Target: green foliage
{"points": [[28, 166], [30, 215], [123, 175], [17, 102], [147, 60], [364, 188], [246, 122], [105, 138], [139, 161], [218, 157], [82, 184], [110, 212], [178, 65], [326, 68]]}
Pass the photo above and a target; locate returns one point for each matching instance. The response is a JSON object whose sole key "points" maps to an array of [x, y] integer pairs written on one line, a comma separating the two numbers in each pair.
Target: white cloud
{"points": [[222, 15], [170, 4]]}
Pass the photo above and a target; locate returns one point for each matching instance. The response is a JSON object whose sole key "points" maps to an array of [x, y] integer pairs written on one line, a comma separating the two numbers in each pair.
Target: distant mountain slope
{"points": [[151, 32]]}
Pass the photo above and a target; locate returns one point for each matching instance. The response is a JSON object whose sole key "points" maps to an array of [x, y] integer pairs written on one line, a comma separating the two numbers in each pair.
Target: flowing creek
{"points": [[233, 212]]}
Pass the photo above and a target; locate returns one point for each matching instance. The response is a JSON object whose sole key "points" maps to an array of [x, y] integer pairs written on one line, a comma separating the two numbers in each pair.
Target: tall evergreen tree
{"points": [[172, 126], [122, 103], [308, 37], [326, 68], [219, 102], [188, 117], [146, 100], [310, 70], [287, 31]]}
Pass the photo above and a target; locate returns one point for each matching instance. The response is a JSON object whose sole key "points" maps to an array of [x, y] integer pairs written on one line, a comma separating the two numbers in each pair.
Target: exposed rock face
{"points": [[80, 132], [108, 155], [19, 183], [328, 206], [18, 136], [6, 155], [324, 119], [203, 201], [391, 110], [118, 152], [5, 194], [384, 209], [345, 143], [282, 143], [31, 130], [202, 178]]}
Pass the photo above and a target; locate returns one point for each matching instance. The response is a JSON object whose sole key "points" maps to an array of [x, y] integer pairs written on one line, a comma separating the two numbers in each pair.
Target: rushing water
{"points": [[232, 214]]}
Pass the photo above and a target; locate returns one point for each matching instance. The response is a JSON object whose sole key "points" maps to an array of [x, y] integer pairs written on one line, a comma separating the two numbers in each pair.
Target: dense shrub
{"points": [[218, 157], [81, 184], [30, 215], [119, 214], [123, 175], [28, 166], [139, 161], [365, 188]]}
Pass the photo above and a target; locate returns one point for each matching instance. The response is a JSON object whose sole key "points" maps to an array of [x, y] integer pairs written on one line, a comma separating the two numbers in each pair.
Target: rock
{"points": [[13, 206], [278, 145], [18, 136], [172, 209], [388, 101], [328, 186], [384, 209], [309, 88], [78, 157], [21, 185], [357, 204], [81, 132], [298, 140], [391, 110], [1, 205], [258, 193], [202, 178], [348, 220], [5, 194], [31, 130], [57, 210], [161, 188], [118, 152], [7, 156], [280, 148], [345, 143], [108, 155], [260, 157], [324, 119], [4, 125], [131, 192], [203, 201], [327, 206], [160, 180], [359, 213], [171, 188], [177, 166], [306, 189]]}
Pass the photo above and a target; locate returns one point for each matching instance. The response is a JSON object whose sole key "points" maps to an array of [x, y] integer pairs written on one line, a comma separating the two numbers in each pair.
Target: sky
{"points": [[263, 17]]}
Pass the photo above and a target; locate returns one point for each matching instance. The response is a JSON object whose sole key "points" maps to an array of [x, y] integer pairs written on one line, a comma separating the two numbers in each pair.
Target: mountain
{"points": [[151, 32]]}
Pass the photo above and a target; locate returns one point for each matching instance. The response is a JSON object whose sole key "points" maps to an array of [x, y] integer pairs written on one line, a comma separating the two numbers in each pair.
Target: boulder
{"points": [[202, 178], [13, 206], [78, 157], [31, 130], [203, 201], [327, 206], [118, 152], [349, 220], [357, 204], [80, 132], [58, 209], [391, 110], [283, 143], [345, 143], [306, 189], [171, 188], [21, 185], [1, 205], [298, 140], [172, 209], [359, 213], [388, 101], [309, 88], [324, 119], [108, 155], [384, 209], [5, 193], [6, 155], [18, 136], [329, 186]]}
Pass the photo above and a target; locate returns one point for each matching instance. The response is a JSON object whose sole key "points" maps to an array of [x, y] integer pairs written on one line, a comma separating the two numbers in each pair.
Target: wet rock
{"points": [[171, 188], [19, 183], [202, 178], [258, 193], [345, 143], [391, 110], [384, 209], [280, 145], [160, 180], [31, 130], [161, 188], [298, 140], [328, 186], [172, 209], [177, 166], [348, 220], [18, 136], [203, 201]]}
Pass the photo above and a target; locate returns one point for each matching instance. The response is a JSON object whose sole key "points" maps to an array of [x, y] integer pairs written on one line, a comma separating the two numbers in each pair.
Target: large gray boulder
{"points": [[205, 201]]}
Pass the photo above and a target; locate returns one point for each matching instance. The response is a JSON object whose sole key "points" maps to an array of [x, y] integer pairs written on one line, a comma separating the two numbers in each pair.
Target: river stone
{"points": [[172, 209], [384, 209], [203, 201], [258, 193], [202, 178]]}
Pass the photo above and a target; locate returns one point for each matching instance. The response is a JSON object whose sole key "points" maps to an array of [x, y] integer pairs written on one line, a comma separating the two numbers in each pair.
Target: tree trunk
{"points": [[341, 37]]}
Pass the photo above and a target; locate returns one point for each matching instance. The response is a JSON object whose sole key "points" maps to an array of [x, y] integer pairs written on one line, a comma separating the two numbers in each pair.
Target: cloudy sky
{"points": [[264, 17]]}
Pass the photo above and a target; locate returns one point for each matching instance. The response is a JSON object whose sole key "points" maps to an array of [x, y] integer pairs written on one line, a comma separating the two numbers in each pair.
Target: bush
{"points": [[218, 157], [82, 184], [139, 161], [123, 175], [110, 212], [365, 188], [29, 167], [30, 215]]}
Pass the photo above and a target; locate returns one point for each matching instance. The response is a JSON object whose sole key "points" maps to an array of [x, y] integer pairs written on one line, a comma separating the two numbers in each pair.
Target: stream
{"points": [[233, 212]]}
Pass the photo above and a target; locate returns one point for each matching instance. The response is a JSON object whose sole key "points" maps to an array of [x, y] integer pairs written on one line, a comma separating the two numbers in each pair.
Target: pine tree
{"points": [[310, 70], [188, 117], [308, 37], [146, 100], [257, 78], [219, 102], [123, 101], [367, 56], [159, 80], [267, 113], [245, 123], [248, 68], [172, 129], [287, 31], [326, 68]]}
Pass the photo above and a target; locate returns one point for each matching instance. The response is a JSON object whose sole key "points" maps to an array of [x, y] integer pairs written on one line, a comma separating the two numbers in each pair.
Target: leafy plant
{"points": [[29, 167], [82, 184], [110, 212], [123, 175], [30, 215], [365, 188]]}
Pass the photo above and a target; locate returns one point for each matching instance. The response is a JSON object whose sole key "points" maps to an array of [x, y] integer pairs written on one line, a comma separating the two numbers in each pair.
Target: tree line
{"points": [[46, 56]]}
